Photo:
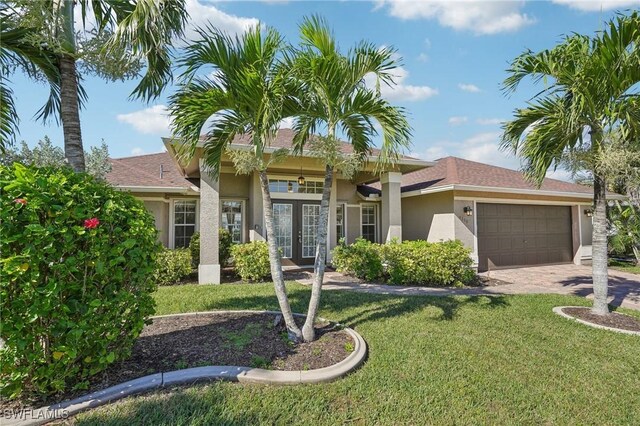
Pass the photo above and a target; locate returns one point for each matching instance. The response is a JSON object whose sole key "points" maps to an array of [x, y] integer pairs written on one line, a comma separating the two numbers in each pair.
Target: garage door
{"points": [[523, 235]]}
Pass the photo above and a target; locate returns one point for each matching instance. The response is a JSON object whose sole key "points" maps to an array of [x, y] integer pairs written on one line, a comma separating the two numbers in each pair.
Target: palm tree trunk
{"points": [[308, 333], [70, 114], [276, 264], [600, 266]]}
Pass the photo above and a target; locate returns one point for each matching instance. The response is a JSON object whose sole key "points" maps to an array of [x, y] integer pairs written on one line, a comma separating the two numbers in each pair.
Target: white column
{"points": [[391, 206], [209, 268], [257, 232]]}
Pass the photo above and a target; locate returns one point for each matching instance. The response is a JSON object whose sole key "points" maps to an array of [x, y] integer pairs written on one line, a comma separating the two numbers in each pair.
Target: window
{"points": [[284, 185], [231, 219], [184, 222], [340, 221], [369, 222]]}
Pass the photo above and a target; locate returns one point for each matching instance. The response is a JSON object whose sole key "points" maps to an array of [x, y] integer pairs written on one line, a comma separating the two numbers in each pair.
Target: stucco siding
{"points": [[160, 212], [346, 192], [353, 223], [428, 217], [232, 185], [464, 225]]}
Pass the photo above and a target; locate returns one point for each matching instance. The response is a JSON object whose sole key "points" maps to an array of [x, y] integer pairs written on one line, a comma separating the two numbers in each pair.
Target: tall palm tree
{"points": [[333, 97], [246, 94], [17, 51], [137, 30], [591, 89]]}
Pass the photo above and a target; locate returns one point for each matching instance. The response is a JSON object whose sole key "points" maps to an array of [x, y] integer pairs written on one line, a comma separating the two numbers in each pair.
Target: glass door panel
{"points": [[310, 219], [283, 218]]}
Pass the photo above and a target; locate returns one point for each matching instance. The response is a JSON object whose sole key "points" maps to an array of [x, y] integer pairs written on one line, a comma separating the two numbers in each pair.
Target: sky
{"points": [[454, 56]]}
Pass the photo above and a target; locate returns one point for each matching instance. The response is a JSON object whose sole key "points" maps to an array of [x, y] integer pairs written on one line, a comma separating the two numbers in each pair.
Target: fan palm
{"points": [[591, 89], [333, 97], [246, 95], [139, 30]]}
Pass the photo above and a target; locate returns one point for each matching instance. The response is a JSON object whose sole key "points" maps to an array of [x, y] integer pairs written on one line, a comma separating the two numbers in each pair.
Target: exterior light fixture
{"points": [[290, 186], [588, 212], [301, 178], [468, 210]]}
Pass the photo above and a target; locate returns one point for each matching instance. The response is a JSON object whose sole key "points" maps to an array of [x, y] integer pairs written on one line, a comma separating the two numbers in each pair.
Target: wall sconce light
{"points": [[588, 212], [468, 210], [290, 186], [300, 178]]}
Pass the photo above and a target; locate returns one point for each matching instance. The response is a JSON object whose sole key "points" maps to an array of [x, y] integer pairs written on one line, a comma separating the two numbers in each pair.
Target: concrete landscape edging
{"points": [[195, 375], [559, 310]]}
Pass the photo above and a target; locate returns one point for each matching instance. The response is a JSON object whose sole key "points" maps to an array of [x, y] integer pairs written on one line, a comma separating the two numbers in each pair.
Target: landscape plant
{"points": [[590, 91], [113, 40], [173, 266], [252, 261], [75, 287]]}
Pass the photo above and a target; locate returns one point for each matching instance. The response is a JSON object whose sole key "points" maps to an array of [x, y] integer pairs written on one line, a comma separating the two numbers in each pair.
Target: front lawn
{"points": [[432, 360], [624, 266]]}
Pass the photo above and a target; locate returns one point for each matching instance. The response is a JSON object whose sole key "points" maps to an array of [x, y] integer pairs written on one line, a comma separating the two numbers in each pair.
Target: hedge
{"points": [[75, 288], [407, 263]]}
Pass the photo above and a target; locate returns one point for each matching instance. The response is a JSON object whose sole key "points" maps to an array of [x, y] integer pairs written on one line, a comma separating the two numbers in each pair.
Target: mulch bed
{"points": [[613, 320], [234, 339]]}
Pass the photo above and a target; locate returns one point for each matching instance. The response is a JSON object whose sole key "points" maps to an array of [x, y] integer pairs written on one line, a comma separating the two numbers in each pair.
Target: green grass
{"points": [[624, 267], [432, 360]]}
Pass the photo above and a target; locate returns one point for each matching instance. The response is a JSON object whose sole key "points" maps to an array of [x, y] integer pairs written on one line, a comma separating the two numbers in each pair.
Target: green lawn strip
{"points": [[624, 267], [432, 360]]}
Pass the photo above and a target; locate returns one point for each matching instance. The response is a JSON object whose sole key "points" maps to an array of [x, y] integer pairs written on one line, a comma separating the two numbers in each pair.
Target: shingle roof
{"points": [[284, 139], [457, 171], [153, 170]]}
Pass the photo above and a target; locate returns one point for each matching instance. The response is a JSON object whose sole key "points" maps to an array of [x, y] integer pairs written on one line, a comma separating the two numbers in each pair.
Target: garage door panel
{"points": [[520, 235]]}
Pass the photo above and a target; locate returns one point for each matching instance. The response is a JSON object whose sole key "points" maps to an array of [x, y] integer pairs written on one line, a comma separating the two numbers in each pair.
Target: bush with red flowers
{"points": [[75, 286]]}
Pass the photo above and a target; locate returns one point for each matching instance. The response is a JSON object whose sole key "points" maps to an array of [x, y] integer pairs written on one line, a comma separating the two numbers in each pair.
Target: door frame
{"points": [[296, 231]]}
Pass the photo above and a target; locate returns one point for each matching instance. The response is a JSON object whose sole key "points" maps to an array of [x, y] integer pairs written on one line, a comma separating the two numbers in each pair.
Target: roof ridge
{"points": [[140, 155]]}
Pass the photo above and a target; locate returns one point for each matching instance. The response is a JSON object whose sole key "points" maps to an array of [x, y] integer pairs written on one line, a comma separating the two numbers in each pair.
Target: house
{"points": [[503, 219]]}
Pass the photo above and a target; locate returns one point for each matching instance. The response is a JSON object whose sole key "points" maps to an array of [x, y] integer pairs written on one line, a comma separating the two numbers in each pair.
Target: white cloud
{"points": [[401, 91], [423, 57], [560, 174], [153, 120], [597, 5], [137, 151], [489, 121], [478, 16], [427, 43], [287, 123], [467, 87], [457, 121], [202, 14]]}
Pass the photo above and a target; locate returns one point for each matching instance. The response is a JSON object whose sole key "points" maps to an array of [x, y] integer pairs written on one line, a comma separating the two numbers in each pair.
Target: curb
{"points": [[195, 375], [558, 310]]}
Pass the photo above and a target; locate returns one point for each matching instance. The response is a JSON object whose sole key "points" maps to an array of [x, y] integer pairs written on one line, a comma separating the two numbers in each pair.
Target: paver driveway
{"points": [[624, 287]]}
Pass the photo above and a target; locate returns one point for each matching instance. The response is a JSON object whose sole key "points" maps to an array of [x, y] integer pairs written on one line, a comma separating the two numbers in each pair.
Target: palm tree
{"points": [[131, 31], [333, 97], [17, 51], [246, 94], [590, 91]]}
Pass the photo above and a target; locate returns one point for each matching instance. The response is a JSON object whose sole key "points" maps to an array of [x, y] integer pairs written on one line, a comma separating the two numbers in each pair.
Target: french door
{"points": [[296, 230]]}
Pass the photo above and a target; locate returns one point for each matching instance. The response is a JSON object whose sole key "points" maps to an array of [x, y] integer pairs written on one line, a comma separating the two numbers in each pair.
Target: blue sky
{"points": [[454, 57]]}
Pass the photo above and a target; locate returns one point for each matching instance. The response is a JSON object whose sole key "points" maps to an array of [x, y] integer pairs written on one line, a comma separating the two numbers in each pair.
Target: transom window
{"points": [[231, 219], [184, 220], [369, 222], [286, 185]]}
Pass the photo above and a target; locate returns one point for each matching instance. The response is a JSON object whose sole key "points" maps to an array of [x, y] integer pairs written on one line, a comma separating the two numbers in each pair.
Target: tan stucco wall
{"points": [[353, 223], [464, 225], [428, 217], [160, 212], [347, 192], [232, 185]]}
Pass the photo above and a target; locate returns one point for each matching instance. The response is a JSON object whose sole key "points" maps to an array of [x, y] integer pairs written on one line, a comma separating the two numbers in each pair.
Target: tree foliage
{"points": [[46, 154]]}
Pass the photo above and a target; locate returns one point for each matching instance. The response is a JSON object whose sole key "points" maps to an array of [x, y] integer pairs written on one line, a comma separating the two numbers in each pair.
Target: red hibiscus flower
{"points": [[20, 201], [91, 223]]}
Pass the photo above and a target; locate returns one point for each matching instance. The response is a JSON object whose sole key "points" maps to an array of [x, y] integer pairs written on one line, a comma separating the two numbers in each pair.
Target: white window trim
{"points": [[375, 221], [243, 213], [301, 220], [172, 218], [344, 221], [295, 195]]}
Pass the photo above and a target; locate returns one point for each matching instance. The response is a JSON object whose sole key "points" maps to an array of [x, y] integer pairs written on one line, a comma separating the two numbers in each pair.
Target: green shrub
{"points": [[407, 263], [251, 261], [75, 287], [173, 266], [361, 259], [194, 249], [422, 263], [224, 245]]}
